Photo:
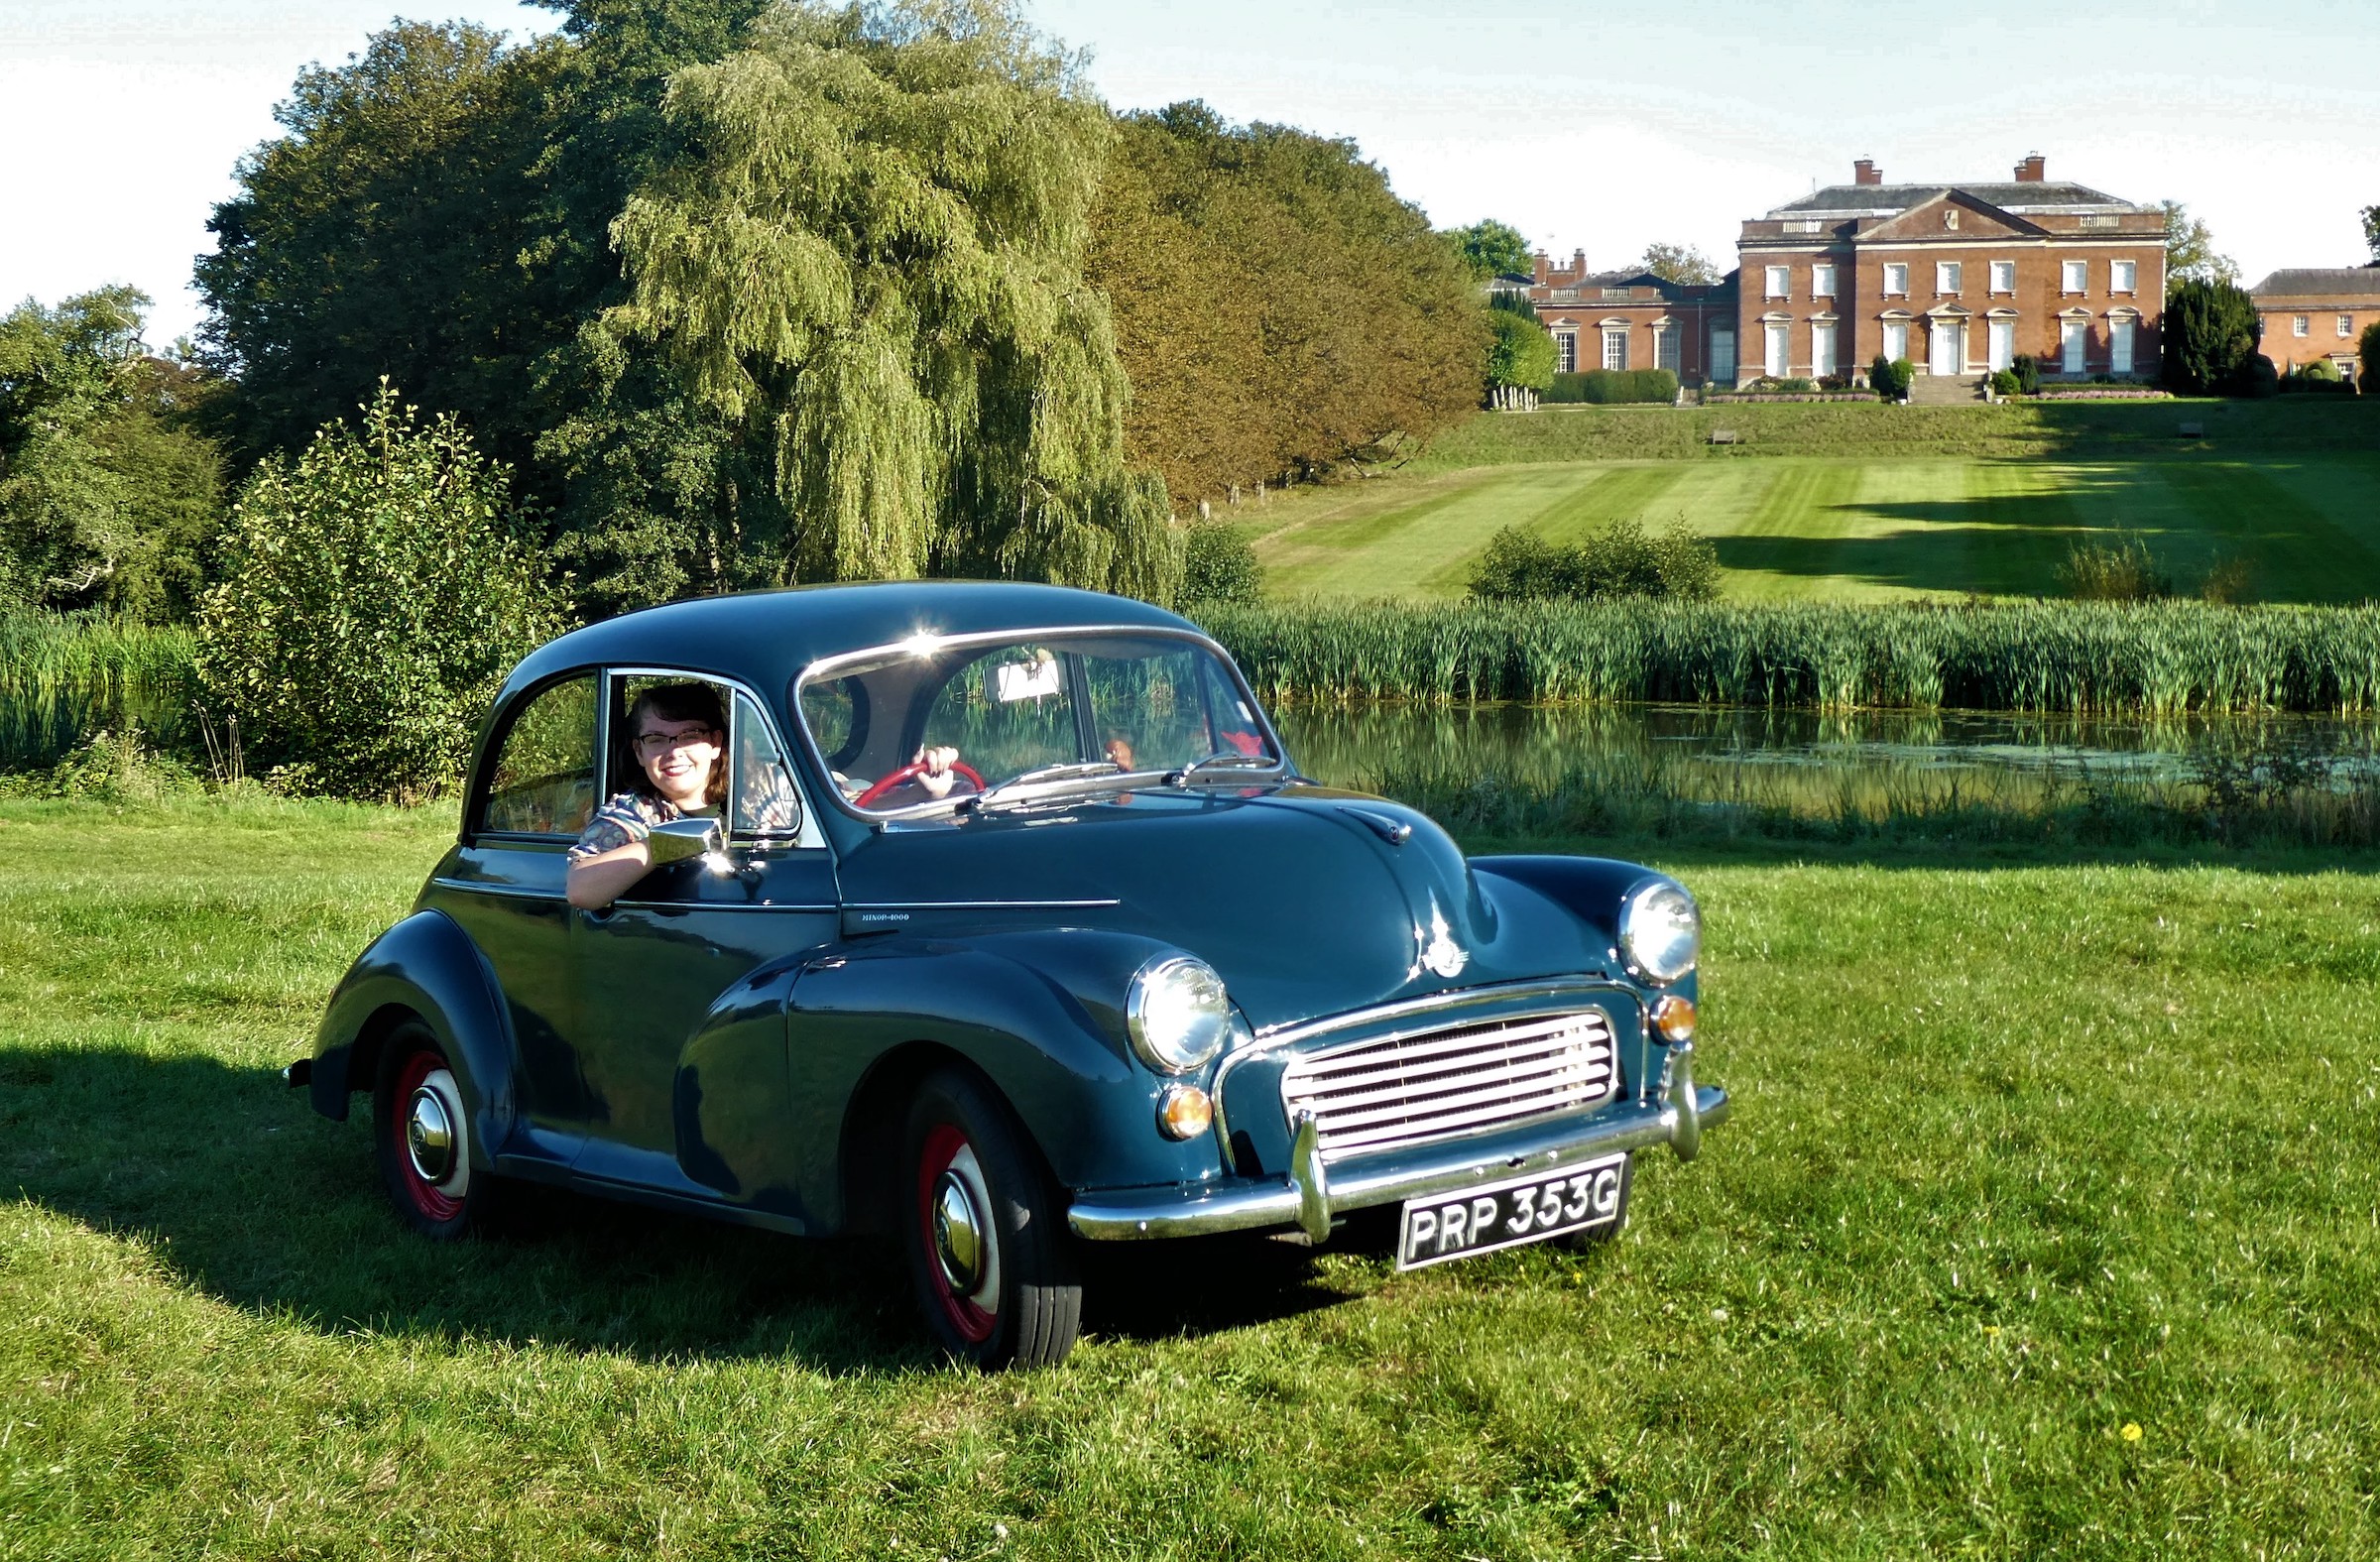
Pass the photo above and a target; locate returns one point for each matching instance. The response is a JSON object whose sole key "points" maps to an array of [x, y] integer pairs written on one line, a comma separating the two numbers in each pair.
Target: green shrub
{"points": [[1797, 384], [1890, 378], [1622, 560], [2319, 378], [378, 589], [2005, 383], [2319, 369], [2126, 571], [2367, 351], [2210, 334], [1608, 387], [1219, 564], [2027, 370], [2255, 377]]}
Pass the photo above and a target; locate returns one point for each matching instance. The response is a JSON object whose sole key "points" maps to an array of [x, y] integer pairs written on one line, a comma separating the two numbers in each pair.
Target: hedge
{"points": [[1608, 386]]}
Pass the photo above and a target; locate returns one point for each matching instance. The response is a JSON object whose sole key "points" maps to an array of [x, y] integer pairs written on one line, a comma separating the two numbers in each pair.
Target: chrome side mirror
{"points": [[680, 839]]}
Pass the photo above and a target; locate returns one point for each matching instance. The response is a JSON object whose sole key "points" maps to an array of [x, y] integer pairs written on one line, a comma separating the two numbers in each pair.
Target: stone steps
{"points": [[1946, 390]]}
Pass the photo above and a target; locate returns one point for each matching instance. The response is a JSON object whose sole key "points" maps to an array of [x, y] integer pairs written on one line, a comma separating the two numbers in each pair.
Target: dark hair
{"points": [[677, 702]]}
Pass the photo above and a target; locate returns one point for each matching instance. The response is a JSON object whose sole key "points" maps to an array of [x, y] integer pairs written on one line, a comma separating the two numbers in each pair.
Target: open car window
{"points": [[889, 722]]}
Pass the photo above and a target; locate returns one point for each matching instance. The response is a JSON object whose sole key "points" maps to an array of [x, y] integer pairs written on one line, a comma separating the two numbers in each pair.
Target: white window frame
{"points": [[2123, 276], [2301, 326], [1566, 352], [1821, 281], [1776, 354], [2346, 327], [1779, 280], [1896, 329], [1665, 348], [2003, 276], [2120, 346], [2074, 275], [1615, 346], [1948, 278], [2073, 345], [1822, 349], [1896, 285]]}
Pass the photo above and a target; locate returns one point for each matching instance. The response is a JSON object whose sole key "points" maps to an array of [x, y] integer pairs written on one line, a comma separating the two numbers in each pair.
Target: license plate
{"points": [[1506, 1214]]}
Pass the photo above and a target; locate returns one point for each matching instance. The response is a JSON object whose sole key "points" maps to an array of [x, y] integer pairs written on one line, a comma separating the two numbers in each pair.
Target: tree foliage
{"points": [[379, 587], [2189, 253], [2209, 335], [1682, 263], [2367, 352], [1520, 359], [2370, 216], [870, 264], [1220, 564], [108, 496], [1488, 247], [1278, 307]]}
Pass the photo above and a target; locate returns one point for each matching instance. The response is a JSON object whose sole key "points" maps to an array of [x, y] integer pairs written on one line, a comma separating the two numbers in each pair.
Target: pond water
{"points": [[1732, 750]]}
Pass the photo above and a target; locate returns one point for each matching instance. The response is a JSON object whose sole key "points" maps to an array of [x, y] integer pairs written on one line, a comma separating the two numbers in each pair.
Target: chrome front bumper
{"points": [[1309, 1196]]}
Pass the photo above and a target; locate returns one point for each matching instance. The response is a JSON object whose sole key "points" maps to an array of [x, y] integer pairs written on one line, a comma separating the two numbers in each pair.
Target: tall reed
{"points": [[2156, 659], [63, 678]]}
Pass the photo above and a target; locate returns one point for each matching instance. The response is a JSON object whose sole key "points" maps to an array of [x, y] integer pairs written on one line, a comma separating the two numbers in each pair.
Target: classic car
{"points": [[1112, 972]]}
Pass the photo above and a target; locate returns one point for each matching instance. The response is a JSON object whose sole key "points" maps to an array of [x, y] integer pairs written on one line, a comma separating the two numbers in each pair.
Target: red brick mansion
{"points": [[1958, 278]]}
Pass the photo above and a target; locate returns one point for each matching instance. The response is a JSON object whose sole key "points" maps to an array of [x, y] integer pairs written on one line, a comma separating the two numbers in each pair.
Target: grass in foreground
{"points": [[2041, 1228], [1852, 528]]}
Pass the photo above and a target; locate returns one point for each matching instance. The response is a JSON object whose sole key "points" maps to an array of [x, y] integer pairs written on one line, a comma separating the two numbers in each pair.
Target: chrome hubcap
{"points": [[958, 1233], [430, 1136]]}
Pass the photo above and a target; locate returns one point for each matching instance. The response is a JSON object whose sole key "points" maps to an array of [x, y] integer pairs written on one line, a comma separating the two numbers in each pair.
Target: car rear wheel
{"points": [[421, 1136], [985, 1232]]}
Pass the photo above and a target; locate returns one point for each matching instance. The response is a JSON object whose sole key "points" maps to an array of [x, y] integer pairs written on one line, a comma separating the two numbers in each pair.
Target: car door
{"points": [[503, 884], [660, 972]]}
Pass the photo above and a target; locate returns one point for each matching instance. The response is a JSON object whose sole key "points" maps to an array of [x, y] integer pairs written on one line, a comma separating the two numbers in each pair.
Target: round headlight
{"points": [[1661, 932], [1177, 1013]]}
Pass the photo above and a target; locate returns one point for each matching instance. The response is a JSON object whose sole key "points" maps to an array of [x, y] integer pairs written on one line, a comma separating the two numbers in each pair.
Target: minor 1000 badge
{"points": [[1506, 1214]]}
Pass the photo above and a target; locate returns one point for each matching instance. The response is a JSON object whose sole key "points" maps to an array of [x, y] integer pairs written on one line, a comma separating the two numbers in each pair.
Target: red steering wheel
{"points": [[958, 767]]}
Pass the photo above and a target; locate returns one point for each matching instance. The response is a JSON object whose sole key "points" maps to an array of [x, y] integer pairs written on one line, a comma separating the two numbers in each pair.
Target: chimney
{"points": [[1578, 262], [2033, 170], [1865, 172], [1542, 268]]}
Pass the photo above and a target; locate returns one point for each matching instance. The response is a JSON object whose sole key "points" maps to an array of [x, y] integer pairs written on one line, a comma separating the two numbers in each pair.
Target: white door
{"points": [[1779, 344], [1946, 353], [2070, 345], [2004, 344], [2119, 346], [1722, 354], [1822, 350]]}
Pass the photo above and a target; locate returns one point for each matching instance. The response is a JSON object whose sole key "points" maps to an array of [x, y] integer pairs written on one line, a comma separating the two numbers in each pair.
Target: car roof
{"points": [[766, 638]]}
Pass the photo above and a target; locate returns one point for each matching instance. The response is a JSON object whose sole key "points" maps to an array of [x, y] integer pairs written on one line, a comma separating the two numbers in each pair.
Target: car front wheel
{"points": [[423, 1138], [987, 1240]]}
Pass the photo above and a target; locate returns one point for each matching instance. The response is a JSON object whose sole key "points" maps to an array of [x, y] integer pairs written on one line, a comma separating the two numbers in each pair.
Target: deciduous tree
{"points": [[2189, 253], [1490, 248], [1678, 262]]}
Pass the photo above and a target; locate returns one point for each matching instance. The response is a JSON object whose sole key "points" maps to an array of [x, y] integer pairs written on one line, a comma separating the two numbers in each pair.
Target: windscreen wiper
{"points": [[1220, 760], [1065, 771]]}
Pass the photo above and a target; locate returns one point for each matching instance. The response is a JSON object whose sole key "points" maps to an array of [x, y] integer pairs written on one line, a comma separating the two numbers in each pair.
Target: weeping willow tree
{"points": [[869, 258]]}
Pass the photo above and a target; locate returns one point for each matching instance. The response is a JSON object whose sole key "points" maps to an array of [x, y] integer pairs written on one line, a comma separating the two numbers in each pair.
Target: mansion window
{"points": [[1566, 352], [2070, 338], [2119, 346], [2003, 276], [2074, 275], [1822, 349], [1896, 340], [1896, 280], [1821, 281], [2297, 326], [2121, 275], [1616, 348], [1779, 283], [1665, 347], [1947, 274], [2346, 327]]}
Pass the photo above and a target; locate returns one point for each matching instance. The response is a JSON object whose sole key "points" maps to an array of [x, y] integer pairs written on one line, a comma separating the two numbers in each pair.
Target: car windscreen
{"points": [[933, 721]]}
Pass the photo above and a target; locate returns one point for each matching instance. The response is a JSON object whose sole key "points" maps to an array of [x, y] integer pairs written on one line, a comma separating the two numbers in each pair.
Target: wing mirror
{"points": [[680, 839]]}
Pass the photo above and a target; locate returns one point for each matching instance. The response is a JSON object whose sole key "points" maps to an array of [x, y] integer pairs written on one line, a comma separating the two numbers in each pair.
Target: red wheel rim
{"points": [[942, 1146], [433, 1205]]}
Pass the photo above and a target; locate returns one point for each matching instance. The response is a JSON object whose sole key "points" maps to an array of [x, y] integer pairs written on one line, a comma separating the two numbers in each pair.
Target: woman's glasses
{"points": [[657, 743]]}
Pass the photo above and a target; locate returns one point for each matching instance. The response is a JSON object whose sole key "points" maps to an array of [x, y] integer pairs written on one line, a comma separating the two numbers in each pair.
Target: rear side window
{"points": [[543, 780]]}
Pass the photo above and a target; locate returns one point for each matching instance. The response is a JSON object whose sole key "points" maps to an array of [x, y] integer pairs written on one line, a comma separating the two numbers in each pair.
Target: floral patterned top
{"points": [[770, 807]]}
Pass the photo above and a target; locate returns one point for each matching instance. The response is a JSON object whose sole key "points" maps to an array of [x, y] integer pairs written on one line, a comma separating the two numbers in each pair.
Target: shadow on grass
{"points": [[242, 1194]]}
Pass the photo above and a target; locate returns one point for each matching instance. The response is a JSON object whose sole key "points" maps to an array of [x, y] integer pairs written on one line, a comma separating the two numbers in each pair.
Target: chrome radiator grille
{"points": [[1441, 1084]]}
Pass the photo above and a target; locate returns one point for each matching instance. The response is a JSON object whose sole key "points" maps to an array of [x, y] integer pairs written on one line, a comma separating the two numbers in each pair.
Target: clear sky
{"points": [[1582, 125]]}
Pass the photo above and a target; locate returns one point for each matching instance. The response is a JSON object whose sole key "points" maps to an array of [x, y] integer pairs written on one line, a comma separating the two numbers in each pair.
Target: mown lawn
{"points": [[2046, 1226], [1855, 528]]}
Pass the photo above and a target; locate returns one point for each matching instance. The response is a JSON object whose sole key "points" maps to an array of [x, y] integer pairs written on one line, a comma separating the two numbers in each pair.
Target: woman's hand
{"points": [[937, 776]]}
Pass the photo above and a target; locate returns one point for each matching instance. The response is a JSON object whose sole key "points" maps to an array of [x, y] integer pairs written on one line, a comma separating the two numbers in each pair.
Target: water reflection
{"points": [[1709, 750]]}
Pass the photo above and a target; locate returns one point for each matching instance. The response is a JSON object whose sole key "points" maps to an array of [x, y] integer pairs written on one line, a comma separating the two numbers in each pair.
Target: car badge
{"points": [[1441, 954]]}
